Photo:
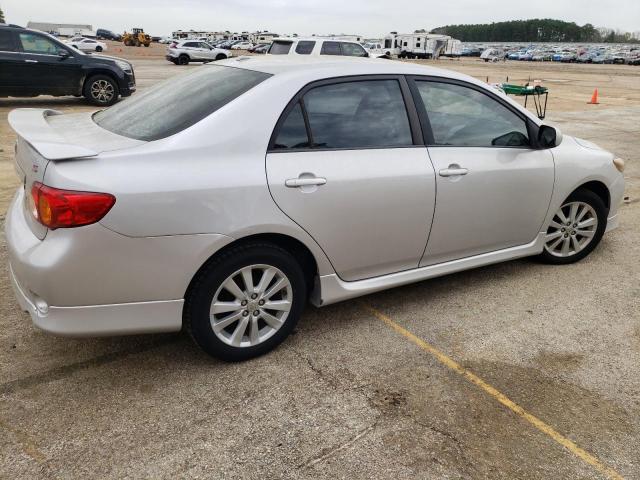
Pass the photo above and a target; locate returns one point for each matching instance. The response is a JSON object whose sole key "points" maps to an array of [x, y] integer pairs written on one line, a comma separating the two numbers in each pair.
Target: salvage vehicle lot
{"points": [[351, 395]]}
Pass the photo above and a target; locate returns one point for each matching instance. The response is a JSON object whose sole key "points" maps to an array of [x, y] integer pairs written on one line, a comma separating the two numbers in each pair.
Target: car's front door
{"points": [[493, 186], [45, 70], [205, 52], [346, 164]]}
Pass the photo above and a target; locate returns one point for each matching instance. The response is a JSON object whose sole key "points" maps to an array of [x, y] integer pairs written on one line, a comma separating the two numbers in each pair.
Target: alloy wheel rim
{"points": [[572, 228], [102, 91], [251, 305]]}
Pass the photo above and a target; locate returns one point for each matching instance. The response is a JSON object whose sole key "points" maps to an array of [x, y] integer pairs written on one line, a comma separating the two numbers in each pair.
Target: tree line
{"points": [[536, 30]]}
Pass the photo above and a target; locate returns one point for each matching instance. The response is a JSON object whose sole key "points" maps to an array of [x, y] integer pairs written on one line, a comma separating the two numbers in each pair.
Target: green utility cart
{"points": [[526, 91]]}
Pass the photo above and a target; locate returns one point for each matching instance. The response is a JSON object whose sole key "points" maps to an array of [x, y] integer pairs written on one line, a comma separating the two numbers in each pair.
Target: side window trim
{"points": [[409, 103], [532, 128]]}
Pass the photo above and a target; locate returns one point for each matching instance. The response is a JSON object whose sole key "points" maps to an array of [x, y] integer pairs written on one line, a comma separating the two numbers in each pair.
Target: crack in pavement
{"points": [[329, 452]]}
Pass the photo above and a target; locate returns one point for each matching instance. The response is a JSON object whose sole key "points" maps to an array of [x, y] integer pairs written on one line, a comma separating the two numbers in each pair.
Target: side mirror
{"points": [[549, 137], [63, 53]]}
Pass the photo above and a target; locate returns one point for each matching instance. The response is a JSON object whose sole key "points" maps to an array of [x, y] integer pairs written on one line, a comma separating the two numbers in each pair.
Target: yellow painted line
{"points": [[500, 397]]}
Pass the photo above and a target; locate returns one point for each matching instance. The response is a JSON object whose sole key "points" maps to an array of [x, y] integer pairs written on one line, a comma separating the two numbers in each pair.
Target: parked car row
{"points": [[621, 55]]}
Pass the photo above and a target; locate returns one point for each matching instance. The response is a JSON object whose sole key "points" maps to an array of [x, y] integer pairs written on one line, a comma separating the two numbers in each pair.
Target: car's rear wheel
{"points": [[245, 302], [183, 60], [101, 90], [576, 229]]}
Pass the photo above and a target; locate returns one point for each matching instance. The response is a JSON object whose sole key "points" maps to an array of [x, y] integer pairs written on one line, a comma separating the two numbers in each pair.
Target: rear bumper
{"points": [[92, 281], [98, 320]]}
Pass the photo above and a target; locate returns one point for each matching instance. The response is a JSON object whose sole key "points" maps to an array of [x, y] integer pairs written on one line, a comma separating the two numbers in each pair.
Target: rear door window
{"points": [[305, 47], [280, 48], [331, 48], [358, 114], [178, 103], [7, 43]]}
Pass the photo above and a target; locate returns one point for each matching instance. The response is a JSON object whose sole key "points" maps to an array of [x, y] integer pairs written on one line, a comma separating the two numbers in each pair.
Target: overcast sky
{"points": [[371, 18]]}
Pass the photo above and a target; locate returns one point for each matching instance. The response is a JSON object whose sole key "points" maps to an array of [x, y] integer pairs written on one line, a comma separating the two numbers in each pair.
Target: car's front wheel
{"points": [[245, 302], [101, 90], [98, 49], [220, 56], [576, 229]]}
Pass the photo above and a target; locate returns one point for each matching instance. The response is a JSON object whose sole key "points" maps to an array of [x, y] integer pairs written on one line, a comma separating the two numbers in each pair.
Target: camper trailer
{"points": [[453, 48], [421, 45]]}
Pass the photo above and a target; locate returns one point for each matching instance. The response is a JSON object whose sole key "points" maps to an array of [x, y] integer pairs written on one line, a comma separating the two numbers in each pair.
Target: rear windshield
{"points": [[178, 102], [280, 48]]}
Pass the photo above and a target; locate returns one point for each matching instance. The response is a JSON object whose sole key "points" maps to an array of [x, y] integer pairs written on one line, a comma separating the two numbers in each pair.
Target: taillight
{"points": [[55, 208]]}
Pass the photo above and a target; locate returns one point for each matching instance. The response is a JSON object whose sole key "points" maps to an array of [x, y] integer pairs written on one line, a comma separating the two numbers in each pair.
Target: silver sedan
{"points": [[262, 184]]}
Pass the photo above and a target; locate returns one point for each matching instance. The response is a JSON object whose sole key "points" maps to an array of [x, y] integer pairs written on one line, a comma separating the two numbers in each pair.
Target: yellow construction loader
{"points": [[136, 38]]}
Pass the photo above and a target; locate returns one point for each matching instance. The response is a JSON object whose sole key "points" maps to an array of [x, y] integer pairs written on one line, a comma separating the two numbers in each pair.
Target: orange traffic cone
{"points": [[594, 98]]}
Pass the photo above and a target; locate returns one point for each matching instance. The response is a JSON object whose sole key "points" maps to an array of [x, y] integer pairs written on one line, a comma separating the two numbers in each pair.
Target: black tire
{"points": [[183, 59], [595, 202], [97, 99], [197, 317], [220, 56], [98, 49]]}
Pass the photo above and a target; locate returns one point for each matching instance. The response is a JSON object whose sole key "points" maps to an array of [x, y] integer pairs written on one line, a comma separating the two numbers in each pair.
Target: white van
{"points": [[316, 46]]}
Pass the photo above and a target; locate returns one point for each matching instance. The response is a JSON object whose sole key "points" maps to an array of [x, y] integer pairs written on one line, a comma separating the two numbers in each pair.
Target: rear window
{"points": [[177, 103], [280, 48]]}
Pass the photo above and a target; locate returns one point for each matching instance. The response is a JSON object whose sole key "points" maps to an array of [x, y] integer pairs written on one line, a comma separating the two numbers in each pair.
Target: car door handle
{"points": [[453, 171], [31, 61], [304, 182]]}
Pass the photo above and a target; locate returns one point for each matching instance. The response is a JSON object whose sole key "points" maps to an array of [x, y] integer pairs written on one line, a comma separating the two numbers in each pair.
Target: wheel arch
{"points": [[100, 71], [296, 247], [599, 188]]}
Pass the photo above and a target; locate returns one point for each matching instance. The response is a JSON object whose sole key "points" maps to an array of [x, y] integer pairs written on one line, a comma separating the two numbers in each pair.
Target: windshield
{"points": [[178, 103]]}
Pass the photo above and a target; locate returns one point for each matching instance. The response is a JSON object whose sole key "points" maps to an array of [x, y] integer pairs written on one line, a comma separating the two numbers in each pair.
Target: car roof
{"points": [[312, 39], [319, 67]]}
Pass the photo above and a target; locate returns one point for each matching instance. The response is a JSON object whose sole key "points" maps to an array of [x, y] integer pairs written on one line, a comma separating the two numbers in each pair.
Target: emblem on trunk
{"points": [[34, 168]]}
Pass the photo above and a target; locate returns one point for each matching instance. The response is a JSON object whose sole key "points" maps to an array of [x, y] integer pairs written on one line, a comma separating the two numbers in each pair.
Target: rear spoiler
{"points": [[32, 125]]}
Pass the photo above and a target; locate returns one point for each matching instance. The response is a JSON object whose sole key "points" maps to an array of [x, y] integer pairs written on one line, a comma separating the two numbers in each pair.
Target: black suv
{"points": [[33, 63], [103, 33]]}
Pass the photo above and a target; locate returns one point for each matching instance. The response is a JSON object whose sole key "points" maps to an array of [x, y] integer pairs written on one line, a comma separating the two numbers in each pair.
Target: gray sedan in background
{"points": [[262, 184]]}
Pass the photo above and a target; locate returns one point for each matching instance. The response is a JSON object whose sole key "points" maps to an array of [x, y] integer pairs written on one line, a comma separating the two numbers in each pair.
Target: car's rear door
{"points": [[494, 186], [347, 164], [12, 63], [193, 49], [44, 70]]}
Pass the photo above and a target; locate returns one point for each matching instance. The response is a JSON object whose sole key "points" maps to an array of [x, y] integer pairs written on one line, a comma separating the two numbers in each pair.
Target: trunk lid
{"points": [[44, 136]]}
